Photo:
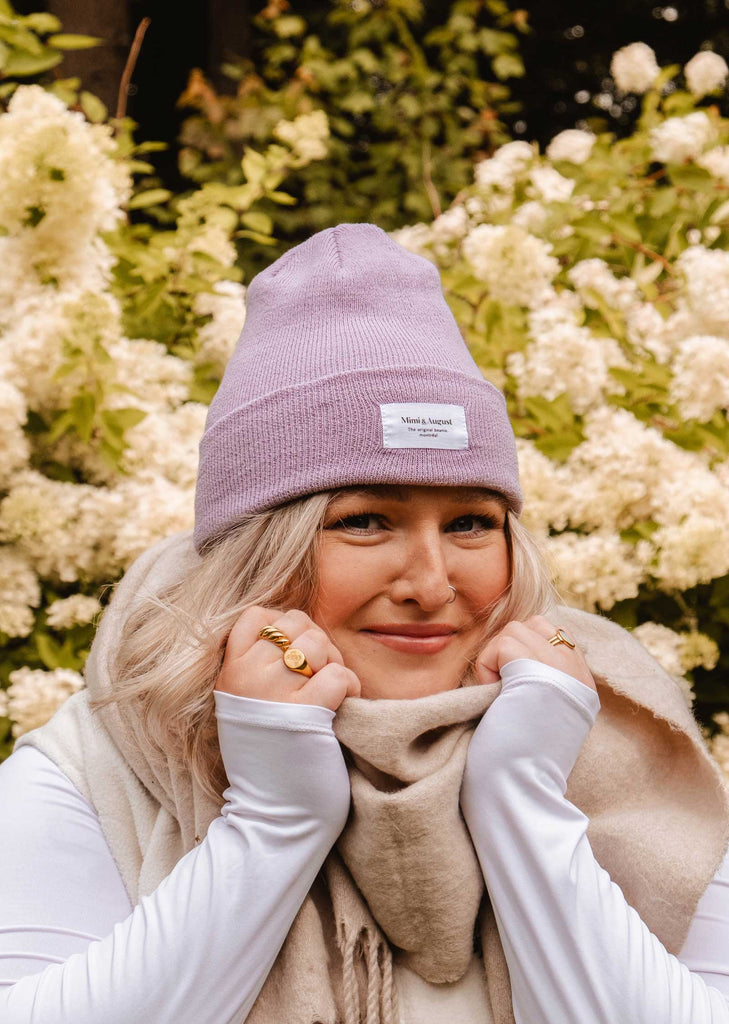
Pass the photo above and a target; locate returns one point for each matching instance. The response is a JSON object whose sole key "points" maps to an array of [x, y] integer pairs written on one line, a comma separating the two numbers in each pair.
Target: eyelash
{"points": [[486, 523]]}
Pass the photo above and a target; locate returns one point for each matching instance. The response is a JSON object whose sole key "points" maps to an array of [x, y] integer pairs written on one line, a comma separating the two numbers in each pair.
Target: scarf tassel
{"points": [[369, 950]]}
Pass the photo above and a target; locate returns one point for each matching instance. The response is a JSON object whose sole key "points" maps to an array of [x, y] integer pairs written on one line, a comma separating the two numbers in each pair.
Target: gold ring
{"points": [[560, 637], [293, 658], [296, 661], [274, 636]]}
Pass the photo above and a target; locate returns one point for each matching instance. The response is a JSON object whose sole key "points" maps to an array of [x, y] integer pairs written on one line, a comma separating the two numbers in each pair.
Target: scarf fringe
{"points": [[368, 949]]}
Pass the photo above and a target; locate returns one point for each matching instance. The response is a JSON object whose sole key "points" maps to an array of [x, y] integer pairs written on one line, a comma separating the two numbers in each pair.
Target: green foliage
{"points": [[409, 107], [32, 45]]}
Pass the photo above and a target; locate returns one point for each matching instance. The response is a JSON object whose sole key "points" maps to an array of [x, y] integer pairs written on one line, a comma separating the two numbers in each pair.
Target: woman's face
{"points": [[386, 559]]}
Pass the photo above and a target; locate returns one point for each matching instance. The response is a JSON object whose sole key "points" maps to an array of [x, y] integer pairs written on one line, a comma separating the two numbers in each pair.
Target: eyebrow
{"points": [[396, 493]]}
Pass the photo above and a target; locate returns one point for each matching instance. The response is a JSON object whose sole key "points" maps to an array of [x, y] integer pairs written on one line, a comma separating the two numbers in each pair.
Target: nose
{"points": [[422, 573]]}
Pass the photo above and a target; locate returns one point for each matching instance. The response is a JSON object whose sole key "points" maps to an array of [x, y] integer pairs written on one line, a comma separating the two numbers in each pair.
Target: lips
{"points": [[411, 637], [412, 628]]}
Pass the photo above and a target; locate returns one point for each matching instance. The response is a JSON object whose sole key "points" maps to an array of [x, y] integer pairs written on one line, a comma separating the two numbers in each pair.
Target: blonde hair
{"points": [[270, 558]]}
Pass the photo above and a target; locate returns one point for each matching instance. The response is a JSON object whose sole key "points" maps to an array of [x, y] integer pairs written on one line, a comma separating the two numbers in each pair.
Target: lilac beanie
{"points": [[350, 370]]}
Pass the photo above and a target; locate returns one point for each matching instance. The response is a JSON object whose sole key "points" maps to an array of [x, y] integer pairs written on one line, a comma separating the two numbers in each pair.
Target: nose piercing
{"points": [[453, 597]]}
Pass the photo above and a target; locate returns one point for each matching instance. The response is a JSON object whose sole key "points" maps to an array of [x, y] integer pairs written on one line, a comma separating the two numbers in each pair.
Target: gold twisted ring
{"points": [[560, 637], [293, 658]]}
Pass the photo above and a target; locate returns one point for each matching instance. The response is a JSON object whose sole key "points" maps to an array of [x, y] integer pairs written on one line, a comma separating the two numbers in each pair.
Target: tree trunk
{"points": [[100, 69]]}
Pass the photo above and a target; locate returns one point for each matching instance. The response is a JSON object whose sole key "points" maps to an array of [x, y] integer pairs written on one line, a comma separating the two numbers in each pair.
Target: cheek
{"points": [[347, 579], [485, 579]]}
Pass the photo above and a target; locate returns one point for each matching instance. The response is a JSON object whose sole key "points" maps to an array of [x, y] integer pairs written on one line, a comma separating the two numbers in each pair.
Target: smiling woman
{"points": [[339, 759]]}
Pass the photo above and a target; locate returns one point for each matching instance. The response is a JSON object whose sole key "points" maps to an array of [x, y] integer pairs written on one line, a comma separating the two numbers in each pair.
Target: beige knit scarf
{"points": [[404, 878]]}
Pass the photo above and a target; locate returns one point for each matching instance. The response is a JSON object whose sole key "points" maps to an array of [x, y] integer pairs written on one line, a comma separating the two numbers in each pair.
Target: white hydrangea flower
{"points": [[503, 168], [531, 216], [166, 444], [664, 644], [698, 650], [716, 162], [646, 329], [307, 134], [516, 267], [61, 188], [415, 238], [76, 610], [706, 272], [671, 651], [452, 225], [65, 530], [20, 592], [593, 277], [618, 470], [35, 695], [572, 145], [700, 382], [155, 379], [552, 186], [634, 68], [546, 488], [596, 570], [34, 344], [689, 488], [226, 305], [569, 360], [681, 138], [693, 551], [13, 442], [706, 72], [16, 620], [148, 511]]}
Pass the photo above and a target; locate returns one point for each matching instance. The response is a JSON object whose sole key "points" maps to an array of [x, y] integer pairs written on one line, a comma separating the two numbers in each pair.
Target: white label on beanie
{"points": [[421, 425]]}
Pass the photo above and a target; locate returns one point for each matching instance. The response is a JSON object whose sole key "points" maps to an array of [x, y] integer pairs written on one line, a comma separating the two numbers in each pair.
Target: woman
{"points": [[375, 859]]}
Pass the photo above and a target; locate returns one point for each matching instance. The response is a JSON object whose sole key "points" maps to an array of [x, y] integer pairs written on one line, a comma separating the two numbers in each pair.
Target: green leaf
{"points": [[7, 89], [61, 425], [121, 420], [83, 411], [626, 227], [92, 106], [152, 197], [22, 63], [69, 41], [508, 65], [41, 21], [257, 221]]}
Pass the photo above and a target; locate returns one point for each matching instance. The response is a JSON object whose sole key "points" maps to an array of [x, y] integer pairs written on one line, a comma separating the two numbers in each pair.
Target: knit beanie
{"points": [[350, 370]]}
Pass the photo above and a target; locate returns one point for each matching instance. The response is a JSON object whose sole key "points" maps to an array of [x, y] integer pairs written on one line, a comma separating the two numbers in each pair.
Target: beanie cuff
{"points": [[329, 433]]}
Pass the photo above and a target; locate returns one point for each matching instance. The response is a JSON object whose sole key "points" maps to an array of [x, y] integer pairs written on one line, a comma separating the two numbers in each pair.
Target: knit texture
{"points": [[403, 873], [338, 327]]}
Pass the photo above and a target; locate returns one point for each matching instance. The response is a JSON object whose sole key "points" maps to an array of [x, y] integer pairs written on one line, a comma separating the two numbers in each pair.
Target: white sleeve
{"points": [[200, 947], [577, 952]]}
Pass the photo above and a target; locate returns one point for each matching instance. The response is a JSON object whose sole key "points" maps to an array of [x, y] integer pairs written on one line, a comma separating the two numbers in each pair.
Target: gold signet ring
{"points": [[560, 637], [296, 661]]}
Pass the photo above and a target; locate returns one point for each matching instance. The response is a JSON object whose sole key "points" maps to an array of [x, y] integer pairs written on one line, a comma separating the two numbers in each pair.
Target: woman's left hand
{"points": [[530, 639]]}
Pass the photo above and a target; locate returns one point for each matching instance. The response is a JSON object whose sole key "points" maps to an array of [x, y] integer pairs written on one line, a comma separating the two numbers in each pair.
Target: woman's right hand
{"points": [[253, 667]]}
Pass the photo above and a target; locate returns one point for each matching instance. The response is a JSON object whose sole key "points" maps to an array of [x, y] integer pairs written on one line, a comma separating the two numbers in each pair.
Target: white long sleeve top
{"points": [[74, 951]]}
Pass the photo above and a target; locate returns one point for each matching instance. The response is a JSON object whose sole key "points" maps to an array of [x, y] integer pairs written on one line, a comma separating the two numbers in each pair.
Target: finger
{"points": [[497, 653], [314, 645], [328, 688]]}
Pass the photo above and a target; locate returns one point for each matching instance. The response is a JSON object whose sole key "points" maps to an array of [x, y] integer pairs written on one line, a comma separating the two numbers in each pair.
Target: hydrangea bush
{"points": [[592, 284], [113, 337]]}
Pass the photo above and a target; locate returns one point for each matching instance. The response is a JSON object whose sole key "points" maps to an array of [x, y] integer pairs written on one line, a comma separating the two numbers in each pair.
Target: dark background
{"points": [[567, 54]]}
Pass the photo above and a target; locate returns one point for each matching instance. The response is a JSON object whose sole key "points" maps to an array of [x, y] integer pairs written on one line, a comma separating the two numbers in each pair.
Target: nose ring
{"points": [[453, 596]]}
